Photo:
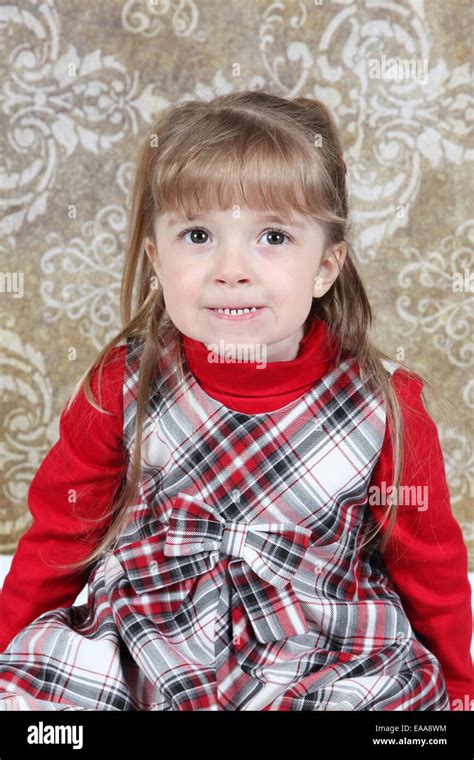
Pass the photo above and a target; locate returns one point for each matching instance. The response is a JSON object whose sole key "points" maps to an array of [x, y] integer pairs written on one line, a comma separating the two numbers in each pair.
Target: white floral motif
{"points": [[298, 57], [391, 126], [57, 100], [468, 394], [467, 527], [91, 271], [144, 17], [459, 462], [29, 428], [445, 314]]}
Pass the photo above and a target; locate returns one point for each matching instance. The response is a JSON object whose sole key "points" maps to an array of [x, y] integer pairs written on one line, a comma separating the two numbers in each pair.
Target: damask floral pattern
{"points": [[81, 84]]}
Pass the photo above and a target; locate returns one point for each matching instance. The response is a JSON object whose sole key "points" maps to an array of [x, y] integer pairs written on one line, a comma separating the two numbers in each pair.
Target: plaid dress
{"points": [[238, 582]]}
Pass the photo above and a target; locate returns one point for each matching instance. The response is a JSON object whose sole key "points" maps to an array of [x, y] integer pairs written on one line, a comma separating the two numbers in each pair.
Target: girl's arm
{"points": [[86, 463], [426, 556]]}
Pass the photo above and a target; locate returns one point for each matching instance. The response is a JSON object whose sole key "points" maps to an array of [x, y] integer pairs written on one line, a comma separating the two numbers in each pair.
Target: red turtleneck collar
{"points": [[250, 388]]}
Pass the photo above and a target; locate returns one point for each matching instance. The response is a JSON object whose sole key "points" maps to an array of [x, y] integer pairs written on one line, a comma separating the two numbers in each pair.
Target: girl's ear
{"points": [[329, 269], [152, 255], [150, 248]]}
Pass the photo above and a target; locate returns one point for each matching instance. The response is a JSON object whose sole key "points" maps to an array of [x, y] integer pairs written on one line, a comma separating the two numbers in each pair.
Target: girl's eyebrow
{"points": [[288, 221], [173, 221]]}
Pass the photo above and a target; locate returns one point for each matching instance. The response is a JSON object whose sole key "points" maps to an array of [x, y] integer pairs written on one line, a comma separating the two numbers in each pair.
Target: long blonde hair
{"points": [[260, 151]]}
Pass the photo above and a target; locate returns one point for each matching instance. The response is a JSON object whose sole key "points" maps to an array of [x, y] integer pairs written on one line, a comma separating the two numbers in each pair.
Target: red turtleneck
{"points": [[426, 556], [257, 387]]}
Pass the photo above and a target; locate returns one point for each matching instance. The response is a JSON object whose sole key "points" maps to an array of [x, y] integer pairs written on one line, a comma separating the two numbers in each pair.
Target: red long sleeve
{"points": [[426, 556], [89, 457]]}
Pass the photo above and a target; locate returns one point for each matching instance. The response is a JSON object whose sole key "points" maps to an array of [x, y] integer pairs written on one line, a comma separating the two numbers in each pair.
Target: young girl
{"points": [[244, 551]]}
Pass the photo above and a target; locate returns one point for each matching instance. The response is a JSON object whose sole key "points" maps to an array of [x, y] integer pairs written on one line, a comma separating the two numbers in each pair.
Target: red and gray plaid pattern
{"points": [[266, 556], [238, 582]]}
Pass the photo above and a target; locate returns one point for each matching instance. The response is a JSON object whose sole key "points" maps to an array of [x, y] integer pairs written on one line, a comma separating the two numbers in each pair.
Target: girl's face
{"points": [[258, 259]]}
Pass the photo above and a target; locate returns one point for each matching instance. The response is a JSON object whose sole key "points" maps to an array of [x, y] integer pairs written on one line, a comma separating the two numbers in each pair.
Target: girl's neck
{"points": [[253, 386]]}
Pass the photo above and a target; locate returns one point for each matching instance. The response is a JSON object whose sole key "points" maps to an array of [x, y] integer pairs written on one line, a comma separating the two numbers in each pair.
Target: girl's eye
{"points": [[279, 233], [197, 233], [193, 229]]}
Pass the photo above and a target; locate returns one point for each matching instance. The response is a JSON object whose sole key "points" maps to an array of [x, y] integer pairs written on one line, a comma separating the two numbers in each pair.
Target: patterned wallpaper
{"points": [[81, 85]]}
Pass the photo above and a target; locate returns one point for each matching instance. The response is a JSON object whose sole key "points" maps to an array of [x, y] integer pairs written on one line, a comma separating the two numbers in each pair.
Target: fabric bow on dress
{"points": [[265, 556]]}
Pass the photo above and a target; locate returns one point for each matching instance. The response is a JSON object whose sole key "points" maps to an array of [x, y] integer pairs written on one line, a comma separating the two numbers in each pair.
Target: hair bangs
{"points": [[263, 171]]}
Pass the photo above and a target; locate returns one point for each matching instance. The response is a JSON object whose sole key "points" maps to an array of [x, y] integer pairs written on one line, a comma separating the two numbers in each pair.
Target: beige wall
{"points": [[82, 82]]}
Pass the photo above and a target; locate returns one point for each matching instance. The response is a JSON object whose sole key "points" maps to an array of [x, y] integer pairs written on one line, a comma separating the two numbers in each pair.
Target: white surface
{"points": [[5, 562]]}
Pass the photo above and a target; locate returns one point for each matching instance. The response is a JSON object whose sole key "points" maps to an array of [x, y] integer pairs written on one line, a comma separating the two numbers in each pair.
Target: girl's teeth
{"points": [[236, 311]]}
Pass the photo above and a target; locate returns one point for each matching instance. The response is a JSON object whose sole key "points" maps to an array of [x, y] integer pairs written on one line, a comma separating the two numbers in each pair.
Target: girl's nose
{"points": [[231, 265], [231, 277]]}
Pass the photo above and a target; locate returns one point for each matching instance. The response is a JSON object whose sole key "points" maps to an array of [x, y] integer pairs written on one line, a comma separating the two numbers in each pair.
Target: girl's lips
{"points": [[240, 317]]}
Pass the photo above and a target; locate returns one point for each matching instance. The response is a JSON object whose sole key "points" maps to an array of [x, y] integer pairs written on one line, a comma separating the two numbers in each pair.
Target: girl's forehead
{"points": [[173, 217]]}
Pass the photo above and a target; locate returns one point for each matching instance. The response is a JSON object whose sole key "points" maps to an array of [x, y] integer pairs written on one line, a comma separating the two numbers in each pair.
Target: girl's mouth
{"points": [[240, 314]]}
